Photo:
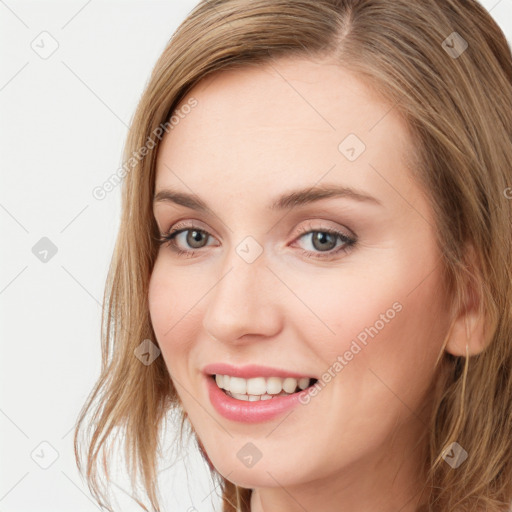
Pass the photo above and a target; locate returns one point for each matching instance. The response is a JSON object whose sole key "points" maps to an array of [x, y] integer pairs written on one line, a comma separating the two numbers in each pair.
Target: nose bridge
{"points": [[241, 300]]}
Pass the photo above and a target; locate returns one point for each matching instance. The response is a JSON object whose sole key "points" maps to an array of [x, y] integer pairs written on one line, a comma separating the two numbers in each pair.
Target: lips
{"points": [[246, 411], [251, 371]]}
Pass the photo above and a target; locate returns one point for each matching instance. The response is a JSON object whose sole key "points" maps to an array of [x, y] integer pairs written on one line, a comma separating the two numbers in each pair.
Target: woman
{"points": [[370, 374]]}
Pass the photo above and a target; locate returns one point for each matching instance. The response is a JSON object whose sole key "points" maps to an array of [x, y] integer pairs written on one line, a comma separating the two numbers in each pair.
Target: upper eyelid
{"points": [[343, 230], [186, 225], [192, 224]]}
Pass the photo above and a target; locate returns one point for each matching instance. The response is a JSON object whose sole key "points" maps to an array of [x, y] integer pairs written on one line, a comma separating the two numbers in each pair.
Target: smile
{"points": [[256, 404], [261, 388]]}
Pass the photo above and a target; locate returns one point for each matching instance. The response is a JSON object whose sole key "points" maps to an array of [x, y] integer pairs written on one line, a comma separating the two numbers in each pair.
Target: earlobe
{"points": [[467, 334]]}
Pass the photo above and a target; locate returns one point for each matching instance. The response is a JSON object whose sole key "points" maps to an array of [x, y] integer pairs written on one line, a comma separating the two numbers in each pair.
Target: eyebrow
{"points": [[286, 201]]}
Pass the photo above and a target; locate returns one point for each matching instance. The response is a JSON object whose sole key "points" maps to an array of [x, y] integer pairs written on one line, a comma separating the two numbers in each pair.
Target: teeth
{"points": [[260, 386], [237, 385], [240, 396], [304, 383], [254, 398], [256, 386]]}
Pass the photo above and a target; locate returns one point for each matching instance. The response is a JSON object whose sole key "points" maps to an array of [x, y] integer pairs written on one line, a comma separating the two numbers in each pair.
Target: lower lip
{"points": [[249, 412]]}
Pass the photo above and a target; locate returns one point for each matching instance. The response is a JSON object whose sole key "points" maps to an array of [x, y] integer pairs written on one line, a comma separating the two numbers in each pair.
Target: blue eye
{"points": [[323, 241]]}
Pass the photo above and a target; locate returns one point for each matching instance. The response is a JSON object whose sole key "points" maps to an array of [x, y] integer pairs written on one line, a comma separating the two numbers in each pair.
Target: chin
{"points": [[250, 480]]}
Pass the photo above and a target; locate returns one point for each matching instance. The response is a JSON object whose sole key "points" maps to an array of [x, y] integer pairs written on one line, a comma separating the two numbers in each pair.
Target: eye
{"points": [[193, 237], [324, 242]]}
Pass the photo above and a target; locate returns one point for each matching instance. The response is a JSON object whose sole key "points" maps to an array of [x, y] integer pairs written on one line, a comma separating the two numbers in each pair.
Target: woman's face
{"points": [[263, 285]]}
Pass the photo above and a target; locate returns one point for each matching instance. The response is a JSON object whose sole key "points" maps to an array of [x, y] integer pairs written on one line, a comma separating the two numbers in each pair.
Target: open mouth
{"points": [[261, 388]]}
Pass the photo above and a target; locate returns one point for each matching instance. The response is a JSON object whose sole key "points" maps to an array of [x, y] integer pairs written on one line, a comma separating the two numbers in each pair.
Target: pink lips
{"points": [[249, 371], [249, 412]]}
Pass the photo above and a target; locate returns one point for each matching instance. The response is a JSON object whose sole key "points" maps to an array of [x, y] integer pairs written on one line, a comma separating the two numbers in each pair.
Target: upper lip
{"points": [[251, 370]]}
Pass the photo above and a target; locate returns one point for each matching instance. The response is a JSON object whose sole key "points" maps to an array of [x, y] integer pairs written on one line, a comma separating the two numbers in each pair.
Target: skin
{"points": [[254, 135]]}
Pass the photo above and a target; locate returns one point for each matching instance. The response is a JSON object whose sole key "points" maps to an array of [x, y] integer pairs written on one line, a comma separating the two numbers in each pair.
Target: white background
{"points": [[63, 124]]}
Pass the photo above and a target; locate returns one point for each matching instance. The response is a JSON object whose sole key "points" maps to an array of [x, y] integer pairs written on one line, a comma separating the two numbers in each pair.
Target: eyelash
{"points": [[349, 243]]}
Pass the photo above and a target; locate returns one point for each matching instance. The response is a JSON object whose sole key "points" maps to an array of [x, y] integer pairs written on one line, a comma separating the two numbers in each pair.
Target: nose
{"points": [[244, 302]]}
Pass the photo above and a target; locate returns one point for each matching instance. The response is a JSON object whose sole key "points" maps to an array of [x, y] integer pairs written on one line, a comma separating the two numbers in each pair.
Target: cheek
{"points": [[346, 307], [170, 312], [383, 323], [160, 301]]}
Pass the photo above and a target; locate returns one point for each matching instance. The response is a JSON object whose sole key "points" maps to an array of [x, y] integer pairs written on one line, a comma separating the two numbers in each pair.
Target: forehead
{"points": [[292, 122]]}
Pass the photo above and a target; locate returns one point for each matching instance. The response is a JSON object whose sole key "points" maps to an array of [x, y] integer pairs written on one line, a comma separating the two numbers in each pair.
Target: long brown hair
{"points": [[458, 108]]}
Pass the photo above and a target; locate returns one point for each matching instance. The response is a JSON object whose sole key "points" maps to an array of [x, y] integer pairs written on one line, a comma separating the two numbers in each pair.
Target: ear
{"points": [[468, 325]]}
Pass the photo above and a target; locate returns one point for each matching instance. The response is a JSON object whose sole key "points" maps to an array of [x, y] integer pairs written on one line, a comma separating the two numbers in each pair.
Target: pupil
{"points": [[192, 238], [321, 237]]}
